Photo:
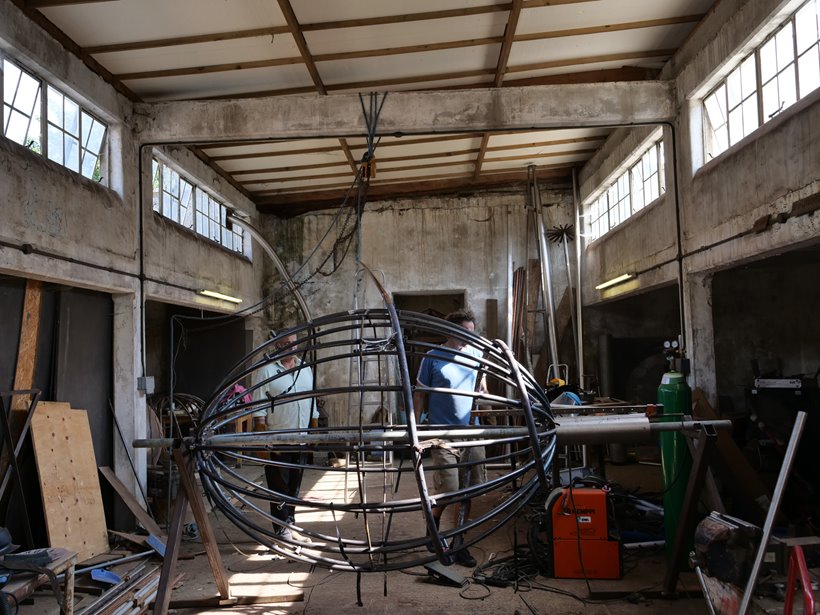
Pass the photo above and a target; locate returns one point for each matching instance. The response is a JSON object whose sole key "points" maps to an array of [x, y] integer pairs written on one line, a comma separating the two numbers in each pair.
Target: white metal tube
{"points": [[578, 290], [774, 508], [277, 262], [546, 279], [569, 430]]}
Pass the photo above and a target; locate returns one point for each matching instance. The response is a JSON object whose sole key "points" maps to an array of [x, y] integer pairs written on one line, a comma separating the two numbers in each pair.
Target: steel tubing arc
{"points": [[333, 343], [410, 418]]}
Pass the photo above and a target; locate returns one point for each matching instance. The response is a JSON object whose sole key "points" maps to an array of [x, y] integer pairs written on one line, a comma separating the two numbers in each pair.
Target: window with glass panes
{"points": [[631, 191], [778, 73], [647, 178], [598, 216], [21, 106], [75, 137], [188, 204], [70, 136], [177, 196]]}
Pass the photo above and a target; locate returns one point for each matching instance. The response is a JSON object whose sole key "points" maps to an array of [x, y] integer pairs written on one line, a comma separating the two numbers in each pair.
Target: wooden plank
{"points": [[301, 44], [27, 347], [169, 562], [204, 70], [194, 497], [131, 502], [186, 40], [25, 365], [137, 539], [70, 489], [739, 475]]}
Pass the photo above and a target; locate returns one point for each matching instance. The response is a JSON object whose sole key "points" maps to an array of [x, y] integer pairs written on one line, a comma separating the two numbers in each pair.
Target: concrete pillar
{"points": [[700, 333], [129, 403]]}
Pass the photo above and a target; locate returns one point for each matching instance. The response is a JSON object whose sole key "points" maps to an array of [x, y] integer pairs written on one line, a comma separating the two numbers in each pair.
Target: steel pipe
{"points": [[568, 430]]}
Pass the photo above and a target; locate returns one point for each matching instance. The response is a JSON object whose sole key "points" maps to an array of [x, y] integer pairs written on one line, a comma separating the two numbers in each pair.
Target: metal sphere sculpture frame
{"points": [[375, 350]]}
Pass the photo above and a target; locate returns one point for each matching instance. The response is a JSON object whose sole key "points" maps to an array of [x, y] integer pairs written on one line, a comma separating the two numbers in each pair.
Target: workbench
{"points": [[24, 584]]}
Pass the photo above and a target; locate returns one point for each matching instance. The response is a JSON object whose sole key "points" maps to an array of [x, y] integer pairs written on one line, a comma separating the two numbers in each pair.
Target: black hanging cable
{"points": [[341, 244]]}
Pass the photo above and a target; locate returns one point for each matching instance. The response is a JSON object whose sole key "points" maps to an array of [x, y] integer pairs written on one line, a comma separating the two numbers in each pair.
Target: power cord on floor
{"points": [[464, 593], [507, 571]]}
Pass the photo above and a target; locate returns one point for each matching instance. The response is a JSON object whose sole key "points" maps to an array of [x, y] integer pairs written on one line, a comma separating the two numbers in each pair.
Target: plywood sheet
{"points": [[68, 480], [27, 348]]}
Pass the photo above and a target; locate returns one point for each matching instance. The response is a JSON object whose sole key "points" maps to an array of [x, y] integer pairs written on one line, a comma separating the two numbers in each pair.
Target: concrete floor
{"points": [[254, 572], [291, 587]]}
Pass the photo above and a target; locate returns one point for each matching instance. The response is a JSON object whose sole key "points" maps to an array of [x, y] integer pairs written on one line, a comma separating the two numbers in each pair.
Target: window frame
{"points": [[601, 215], [198, 192], [711, 138], [41, 116]]}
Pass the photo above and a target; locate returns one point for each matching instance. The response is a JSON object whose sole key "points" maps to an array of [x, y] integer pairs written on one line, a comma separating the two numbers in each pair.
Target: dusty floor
{"points": [[288, 587], [254, 572]]}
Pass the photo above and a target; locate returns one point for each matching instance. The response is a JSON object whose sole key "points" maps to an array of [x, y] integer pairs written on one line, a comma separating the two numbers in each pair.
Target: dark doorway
{"points": [[433, 304], [74, 364], [196, 347]]}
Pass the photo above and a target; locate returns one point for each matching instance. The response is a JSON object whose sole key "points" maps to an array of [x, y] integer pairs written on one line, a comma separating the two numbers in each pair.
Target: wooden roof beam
{"points": [[500, 69], [429, 15], [301, 43], [186, 40], [300, 203]]}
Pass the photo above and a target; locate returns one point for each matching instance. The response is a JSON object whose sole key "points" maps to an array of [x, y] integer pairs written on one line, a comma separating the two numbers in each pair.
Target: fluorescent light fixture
{"points": [[614, 281], [216, 295]]}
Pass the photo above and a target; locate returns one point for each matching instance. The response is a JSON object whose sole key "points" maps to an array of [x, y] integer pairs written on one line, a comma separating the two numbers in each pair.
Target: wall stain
{"points": [[53, 223]]}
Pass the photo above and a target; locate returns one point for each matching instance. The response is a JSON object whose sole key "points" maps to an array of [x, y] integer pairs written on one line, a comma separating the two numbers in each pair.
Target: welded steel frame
{"points": [[333, 334]]}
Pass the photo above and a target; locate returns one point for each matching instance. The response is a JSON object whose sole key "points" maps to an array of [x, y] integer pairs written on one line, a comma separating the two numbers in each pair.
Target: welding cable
{"points": [[372, 119], [539, 550], [506, 571], [561, 592], [578, 540], [463, 593]]}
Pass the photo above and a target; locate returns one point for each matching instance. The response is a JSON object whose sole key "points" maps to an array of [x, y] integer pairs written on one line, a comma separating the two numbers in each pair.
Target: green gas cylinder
{"points": [[675, 396]]}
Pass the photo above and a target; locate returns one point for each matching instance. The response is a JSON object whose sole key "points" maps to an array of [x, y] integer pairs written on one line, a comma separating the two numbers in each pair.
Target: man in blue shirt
{"points": [[454, 366]]}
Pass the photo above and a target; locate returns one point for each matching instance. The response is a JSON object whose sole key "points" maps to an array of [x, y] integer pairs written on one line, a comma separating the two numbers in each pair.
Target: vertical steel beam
{"points": [[546, 280]]}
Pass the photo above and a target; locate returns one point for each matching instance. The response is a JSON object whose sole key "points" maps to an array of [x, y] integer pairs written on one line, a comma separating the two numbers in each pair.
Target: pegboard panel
{"points": [[69, 483]]}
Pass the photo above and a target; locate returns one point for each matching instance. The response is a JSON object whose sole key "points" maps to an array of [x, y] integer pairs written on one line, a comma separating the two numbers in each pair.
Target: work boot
{"points": [[463, 558]]}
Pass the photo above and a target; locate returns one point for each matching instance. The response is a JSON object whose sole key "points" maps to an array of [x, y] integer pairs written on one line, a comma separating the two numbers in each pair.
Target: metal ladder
{"points": [[368, 367]]}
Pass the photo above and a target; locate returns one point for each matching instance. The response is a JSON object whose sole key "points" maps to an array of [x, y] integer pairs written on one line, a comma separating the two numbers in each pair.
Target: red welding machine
{"points": [[581, 524]]}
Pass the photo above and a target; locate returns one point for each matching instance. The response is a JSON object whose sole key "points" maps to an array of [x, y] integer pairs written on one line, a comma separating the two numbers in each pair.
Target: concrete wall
{"points": [[720, 200], [419, 246], [57, 226]]}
